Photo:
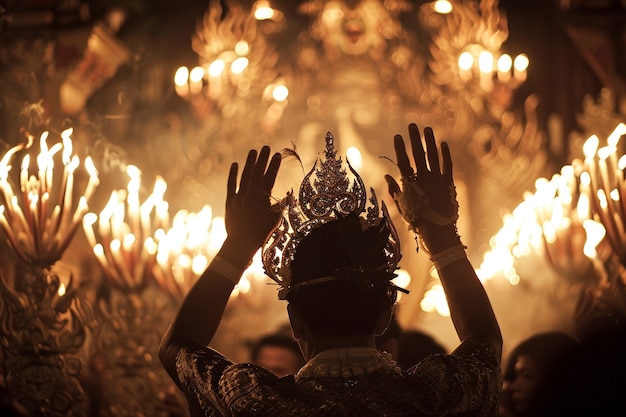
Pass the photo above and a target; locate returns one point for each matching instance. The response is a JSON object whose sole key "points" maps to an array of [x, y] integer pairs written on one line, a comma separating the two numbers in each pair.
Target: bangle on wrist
{"points": [[448, 256], [226, 270]]}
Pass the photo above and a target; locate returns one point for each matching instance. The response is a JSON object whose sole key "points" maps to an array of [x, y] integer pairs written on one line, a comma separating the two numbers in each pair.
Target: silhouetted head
{"points": [[527, 369], [341, 278]]}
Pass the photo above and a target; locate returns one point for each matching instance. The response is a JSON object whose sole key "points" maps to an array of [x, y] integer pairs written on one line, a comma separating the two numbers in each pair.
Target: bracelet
{"points": [[226, 270], [448, 256]]}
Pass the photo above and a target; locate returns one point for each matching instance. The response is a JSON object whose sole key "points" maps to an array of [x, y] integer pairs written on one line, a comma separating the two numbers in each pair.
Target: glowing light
{"points": [[591, 146], [466, 61], [595, 233], [124, 235], [485, 62], [442, 6], [403, 280], [216, 68], [196, 74], [505, 63], [42, 221], [435, 300], [618, 132], [181, 76], [239, 65], [242, 48], [280, 93], [606, 151], [602, 200], [354, 157], [244, 285], [521, 63], [263, 11]]}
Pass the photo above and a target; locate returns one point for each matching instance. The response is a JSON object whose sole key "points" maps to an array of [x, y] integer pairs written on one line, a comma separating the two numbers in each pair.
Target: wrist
{"points": [[448, 256], [237, 254], [439, 238]]}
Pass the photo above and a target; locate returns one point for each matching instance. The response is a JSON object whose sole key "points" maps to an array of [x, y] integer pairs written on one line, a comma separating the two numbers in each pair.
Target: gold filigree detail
{"points": [[326, 194]]}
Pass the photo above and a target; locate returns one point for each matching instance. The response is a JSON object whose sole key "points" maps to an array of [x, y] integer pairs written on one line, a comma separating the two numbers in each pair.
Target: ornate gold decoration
{"points": [[43, 326], [326, 194]]}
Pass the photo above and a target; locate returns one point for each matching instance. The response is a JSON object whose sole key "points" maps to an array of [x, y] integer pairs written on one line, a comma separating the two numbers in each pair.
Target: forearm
{"points": [[470, 308], [201, 311]]}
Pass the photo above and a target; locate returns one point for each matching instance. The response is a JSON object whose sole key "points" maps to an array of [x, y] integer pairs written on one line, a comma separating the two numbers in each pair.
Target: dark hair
{"points": [[415, 346], [354, 252], [275, 340], [546, 351], [543, 348]]}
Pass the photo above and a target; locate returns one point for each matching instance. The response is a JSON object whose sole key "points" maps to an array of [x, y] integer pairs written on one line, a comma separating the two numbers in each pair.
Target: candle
{"points": [[485, 67], [505, 63], [215, 70], [94, 181], [126, 233], [181, 84], [119, 263], [133, 198], [196, 75], [8, 230], [465, 62], [520, 66]]}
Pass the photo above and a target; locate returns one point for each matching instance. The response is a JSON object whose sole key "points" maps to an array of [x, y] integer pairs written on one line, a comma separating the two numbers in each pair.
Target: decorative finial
{"points": [[327, 193]]}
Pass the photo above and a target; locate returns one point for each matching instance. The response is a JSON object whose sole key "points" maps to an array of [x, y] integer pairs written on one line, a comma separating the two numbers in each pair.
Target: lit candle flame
{"points": [[40, 220], [184, 251], [124, 240]]}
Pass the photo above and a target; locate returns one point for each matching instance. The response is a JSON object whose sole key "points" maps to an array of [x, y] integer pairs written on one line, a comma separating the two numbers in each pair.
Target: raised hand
{"points": [[249, 214], [427, 201], [427, 198]]}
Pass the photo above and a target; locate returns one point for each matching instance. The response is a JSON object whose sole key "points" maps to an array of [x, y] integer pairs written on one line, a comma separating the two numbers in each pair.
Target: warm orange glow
{"points": [[40, 220]]}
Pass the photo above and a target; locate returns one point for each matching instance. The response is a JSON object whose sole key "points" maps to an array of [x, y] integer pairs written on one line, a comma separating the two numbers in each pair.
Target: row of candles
{"points": [[131, 239], [565, 219], [208, 80], [568, 217], [483, 65], [40, 216]]}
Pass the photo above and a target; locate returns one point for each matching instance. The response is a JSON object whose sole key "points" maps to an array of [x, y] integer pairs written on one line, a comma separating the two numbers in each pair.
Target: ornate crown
{"points": [[326, 194]]}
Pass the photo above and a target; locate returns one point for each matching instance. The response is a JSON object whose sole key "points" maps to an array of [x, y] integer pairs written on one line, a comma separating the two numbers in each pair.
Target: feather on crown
{"points": [[326, 194]]}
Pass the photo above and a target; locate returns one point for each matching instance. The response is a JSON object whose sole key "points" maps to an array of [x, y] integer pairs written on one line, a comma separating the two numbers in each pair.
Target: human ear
{"points": [[383, 321], [297, 325]]}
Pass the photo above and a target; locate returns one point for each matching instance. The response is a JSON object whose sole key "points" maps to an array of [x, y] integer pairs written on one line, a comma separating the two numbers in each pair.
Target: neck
{"points": [[311, 346]]}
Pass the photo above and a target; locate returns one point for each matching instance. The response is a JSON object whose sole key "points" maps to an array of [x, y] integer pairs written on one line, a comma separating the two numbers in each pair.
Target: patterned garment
{"points": [[467, 382]]}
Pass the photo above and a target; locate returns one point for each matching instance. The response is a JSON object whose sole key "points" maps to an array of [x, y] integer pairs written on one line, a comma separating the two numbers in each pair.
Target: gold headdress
{"points": [[326, 194]]}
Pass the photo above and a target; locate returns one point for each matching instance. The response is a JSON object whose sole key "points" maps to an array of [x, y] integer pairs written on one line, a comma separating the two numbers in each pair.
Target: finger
{"points": [[246, 175], [231, 185], [261, 163], [447, 162], [431, 150], [417, 148], [272, 171], [403, 158], [394, 189], [392, 186]]}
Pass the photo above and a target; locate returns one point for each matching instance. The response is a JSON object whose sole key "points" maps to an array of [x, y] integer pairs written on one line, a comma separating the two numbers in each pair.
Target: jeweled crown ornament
{"points": [[327, 193]]}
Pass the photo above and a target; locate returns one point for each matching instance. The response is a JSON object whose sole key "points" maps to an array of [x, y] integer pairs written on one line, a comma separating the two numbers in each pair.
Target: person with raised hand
{"points": [[427, 202], [334, 258]]}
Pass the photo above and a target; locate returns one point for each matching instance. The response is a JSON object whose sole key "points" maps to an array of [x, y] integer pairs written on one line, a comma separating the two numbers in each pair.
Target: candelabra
{"points": [[130, 313], [43, 322], [575, 223]]}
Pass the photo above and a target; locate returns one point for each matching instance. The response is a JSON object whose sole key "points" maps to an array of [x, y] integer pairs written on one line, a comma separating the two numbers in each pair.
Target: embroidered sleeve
{"points": [[199, 371], [214, 386], [468, 381]]}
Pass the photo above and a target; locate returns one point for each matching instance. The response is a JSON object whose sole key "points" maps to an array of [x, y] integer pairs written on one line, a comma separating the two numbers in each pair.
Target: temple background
{"points": [[505, 133]]}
